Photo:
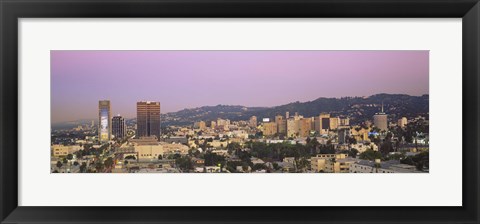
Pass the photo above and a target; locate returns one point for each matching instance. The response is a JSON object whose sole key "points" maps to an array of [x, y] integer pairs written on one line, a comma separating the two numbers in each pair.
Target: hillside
{"points": [[357, 108]]}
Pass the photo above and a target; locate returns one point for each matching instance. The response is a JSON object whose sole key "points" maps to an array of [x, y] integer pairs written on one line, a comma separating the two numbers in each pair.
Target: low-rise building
{"points": [[153, 151], [151, 140], [198, 162], [62, 150], [149, 151], [176, 139], [212, 169], [364, 146], [391, 166], [242, 169], [339, 165], [219, 143], [174, 148], [286, 167], [318, 163], [256, 161], [220, 152], [360, 133]]}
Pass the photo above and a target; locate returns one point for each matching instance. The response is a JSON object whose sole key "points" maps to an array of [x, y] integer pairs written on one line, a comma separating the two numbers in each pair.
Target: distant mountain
{"points": [[208, 113], [357, 108]]}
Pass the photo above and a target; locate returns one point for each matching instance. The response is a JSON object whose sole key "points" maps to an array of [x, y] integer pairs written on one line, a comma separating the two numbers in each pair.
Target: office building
{"points": [[200, 125], [324, 123], [269, 129], [223, 122], [253, 122], [334, 123], [281, 124], [119, 130], [343, 134], [213, 124], [292, 130], [148, 119], [305, 127], [282, 127], [344, 121], [316, 124], [104, 121], [319, 162]]}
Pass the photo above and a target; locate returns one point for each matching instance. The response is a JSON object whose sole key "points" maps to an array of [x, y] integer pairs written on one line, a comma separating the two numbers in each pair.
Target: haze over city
{"points": [[188, 79]]}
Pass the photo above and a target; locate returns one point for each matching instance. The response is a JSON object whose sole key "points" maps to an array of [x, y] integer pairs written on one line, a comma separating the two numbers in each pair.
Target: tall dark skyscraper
{"points": [[118, 127], [148, 119], [104, 121]]}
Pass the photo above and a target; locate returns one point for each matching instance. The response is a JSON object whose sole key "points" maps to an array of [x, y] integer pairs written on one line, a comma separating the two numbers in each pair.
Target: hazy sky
{"points": [[187, 79]]}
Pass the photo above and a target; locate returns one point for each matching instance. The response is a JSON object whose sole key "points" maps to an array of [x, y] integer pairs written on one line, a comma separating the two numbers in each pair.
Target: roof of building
{"points": [[384, 164]]}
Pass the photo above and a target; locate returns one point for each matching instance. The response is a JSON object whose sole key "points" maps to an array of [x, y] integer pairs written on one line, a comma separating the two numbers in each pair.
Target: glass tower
{"points": [[118, 127]]}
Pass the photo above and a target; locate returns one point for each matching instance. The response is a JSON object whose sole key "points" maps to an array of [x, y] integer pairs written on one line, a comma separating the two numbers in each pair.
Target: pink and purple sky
{"points": [[188, 79]]}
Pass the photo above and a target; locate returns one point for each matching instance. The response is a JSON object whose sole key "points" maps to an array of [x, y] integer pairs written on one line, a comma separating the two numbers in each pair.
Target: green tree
{"points": [[275, 166], [232, 166], [59, 164], [396, 156], [353, 153], [351, 140], [386, 147], [108, 162], [83, 167], [420, 161], [99, 167], [79, 154], [303, 164], [130, 157], [184, 163], [370, 155], [212, 159], [307, 140], [233, 147], [259, 166], [327, 149]]}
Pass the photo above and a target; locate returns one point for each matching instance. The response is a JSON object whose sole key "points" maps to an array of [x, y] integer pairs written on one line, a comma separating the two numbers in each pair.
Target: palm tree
{"points": [[59, 164]]}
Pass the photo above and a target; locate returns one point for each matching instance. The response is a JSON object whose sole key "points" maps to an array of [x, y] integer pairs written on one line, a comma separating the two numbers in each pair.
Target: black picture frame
{"points": [[12, 10]]}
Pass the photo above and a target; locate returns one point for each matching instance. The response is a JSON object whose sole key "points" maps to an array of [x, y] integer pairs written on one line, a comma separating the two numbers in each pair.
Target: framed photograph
{"points": [[239, 111]]}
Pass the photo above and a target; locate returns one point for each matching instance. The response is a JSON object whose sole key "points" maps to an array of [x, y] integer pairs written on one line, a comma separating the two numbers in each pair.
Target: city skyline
{"points": [[247, 112], [190, 79], [117, 113], [322, 143]]}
